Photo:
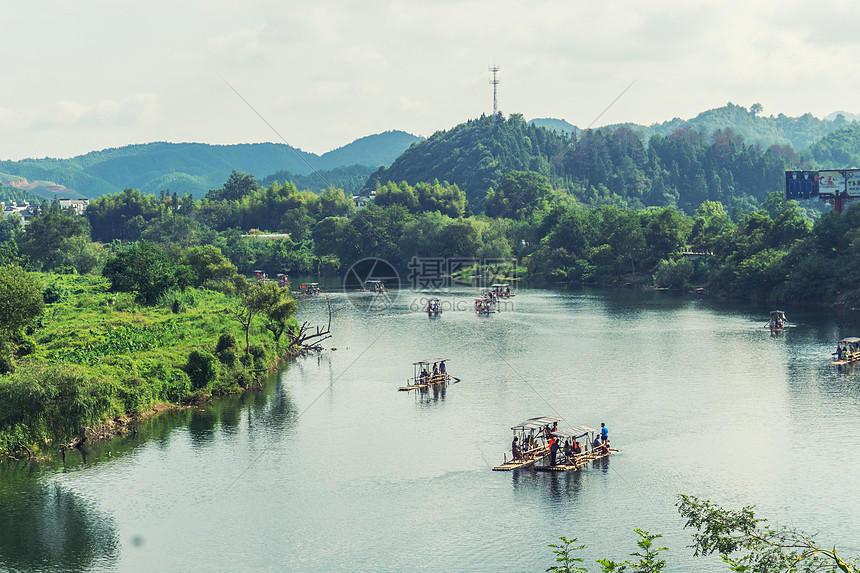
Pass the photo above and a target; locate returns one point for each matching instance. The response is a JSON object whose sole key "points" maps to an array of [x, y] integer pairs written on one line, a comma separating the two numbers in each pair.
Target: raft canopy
{"points": [[536, 423], [777, 312], [428, 362], [849, 340], [575, 432], [500, 285]]}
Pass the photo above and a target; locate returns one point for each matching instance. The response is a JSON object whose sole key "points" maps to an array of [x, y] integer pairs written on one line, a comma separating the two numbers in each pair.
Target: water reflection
{"points": [[45, 527]]}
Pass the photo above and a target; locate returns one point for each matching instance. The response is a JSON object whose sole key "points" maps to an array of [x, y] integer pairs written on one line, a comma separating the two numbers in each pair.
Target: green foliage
{"points": [[20, 300], [47, 232], [674, 274], [266, 299], [564, 556], [54, 405], [748, 543], [145, 269], [117, 341], [519, 194], [202, 369]]}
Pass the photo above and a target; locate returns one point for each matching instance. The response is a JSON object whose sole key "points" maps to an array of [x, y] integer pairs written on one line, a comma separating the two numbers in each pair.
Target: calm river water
{"points": [[332, 469]]}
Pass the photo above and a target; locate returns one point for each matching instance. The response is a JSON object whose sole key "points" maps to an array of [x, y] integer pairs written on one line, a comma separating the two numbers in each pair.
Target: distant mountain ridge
{"points": [[799, 132], [196, 168]]}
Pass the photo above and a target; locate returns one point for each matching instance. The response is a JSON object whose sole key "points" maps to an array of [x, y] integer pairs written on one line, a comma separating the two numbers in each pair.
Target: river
{"points": [[332, 469]]}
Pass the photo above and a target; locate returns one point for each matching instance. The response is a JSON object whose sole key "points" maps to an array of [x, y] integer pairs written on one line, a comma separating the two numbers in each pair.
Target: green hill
{"points": [[474, 155], [351, 179], [839, 150], [196, 167], [799, 132], [603, 166]]}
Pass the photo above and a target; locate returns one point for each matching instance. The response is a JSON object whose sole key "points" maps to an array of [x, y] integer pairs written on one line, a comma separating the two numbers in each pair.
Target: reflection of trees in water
{"points": [[46, 527], [271, 408]]}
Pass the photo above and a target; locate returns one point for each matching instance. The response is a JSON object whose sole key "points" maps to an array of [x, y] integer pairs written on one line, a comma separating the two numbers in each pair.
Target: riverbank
{"points": [[100, 361]]}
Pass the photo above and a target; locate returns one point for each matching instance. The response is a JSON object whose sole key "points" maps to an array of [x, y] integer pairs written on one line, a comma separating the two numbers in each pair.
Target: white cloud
{"points": [[239, 44], [328, 72]]}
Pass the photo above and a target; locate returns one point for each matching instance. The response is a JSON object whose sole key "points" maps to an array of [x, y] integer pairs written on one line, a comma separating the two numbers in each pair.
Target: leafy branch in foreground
{"points": [[762, 548], [564, 556], [747, 544]]}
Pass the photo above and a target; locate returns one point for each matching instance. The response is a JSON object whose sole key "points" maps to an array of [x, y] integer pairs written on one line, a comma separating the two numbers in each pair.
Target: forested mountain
{"points": [[598, 167], [195, 168], [372, 150], [558, 125], [475, 155], [839, 150], [799, 132], [351, 179]]}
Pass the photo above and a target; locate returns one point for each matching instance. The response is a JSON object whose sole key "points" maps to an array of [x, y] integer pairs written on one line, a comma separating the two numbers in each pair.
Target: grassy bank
{"points": [[97, 357]]}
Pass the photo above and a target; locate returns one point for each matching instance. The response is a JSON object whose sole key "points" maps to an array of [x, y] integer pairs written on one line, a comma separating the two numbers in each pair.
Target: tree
{"points": [[82, 254], [20, 300], [756, 109], [208, 264], [237, 186], [45, 233], [257, 298], [747, 543], [144, 268], [564, 556], [519, 194]]}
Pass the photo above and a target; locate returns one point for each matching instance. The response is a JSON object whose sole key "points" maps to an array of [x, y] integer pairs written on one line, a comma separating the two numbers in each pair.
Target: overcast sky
{"points": [[91, 74]]}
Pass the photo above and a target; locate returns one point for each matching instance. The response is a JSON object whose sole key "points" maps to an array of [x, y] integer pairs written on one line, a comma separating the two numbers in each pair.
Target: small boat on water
{"points": [[778, 321], [310, 289], [533, 439], [434, 307], [427, 373], [532, 443], [502, 290], [486, 304], [847, 351], [375, 286]]}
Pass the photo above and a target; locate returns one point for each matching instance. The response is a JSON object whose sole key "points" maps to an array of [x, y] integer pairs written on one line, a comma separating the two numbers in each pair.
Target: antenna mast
{"points": [[495, 82]]}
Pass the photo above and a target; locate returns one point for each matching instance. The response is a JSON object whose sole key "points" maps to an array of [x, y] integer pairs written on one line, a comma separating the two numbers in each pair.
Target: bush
{"points": [[176, 387], [225, 342], [202, 369], [136, 394], [55, 292]]}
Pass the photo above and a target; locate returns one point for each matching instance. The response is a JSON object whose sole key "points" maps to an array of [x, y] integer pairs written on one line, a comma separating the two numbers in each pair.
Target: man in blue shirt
{"points": [[604, 433]]}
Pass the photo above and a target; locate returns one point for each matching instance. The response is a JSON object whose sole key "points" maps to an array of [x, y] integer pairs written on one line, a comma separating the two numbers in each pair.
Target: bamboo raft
{"points": [[849, 351], [537, 429], [423, 377], [439, 379], [578, 462], [529, 459]]}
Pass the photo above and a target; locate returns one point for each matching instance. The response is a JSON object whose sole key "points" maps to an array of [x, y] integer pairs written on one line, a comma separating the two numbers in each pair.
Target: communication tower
{"points": [[495, 82]]}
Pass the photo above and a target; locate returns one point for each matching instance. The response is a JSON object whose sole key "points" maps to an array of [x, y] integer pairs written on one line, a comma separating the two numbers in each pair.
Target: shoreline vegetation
{"points": [[95, 361]]}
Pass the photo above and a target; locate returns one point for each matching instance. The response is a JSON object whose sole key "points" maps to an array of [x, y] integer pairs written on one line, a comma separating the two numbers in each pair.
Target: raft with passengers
{"points": [[375, 286], [847, 351], [311, 289], [778, 321], [540, 443], [502, 290], [434, 307], [424, 375]]}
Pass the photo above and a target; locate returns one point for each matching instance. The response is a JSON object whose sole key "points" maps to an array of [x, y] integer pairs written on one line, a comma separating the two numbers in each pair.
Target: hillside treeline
{"points": [[773, 252], [599, 167]]}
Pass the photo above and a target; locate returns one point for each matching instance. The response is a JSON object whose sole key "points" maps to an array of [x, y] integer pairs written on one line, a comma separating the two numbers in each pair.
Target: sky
{"points": [[92, 74]]}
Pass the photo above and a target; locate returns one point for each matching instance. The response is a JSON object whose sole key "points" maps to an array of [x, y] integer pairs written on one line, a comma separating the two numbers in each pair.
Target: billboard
{"points": [[802, 184], [852, 182], [831, 184]]}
